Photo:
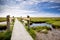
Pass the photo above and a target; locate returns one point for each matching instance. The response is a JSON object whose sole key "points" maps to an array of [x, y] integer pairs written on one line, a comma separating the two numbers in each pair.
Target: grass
{"points": [[19, 18], [42, 29], [39, 19], [6, 35], [50, 20], [31, 32], [56, 24], [2, 19], [39, 28]]}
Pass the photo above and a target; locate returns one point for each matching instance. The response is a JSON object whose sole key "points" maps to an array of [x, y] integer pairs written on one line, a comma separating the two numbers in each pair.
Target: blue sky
{"points": [[37, 8]]}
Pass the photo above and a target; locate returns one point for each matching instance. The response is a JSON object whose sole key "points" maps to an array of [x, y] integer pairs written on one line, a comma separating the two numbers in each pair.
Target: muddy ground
{"points": [[51, 35]]}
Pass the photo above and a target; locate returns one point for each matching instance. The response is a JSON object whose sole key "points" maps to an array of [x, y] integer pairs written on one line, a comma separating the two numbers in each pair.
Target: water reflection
{"points": [[41, 25]]}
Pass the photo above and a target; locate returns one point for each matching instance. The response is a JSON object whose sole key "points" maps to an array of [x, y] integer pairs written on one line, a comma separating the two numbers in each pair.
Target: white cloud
{"points": [[46, 1], [19, 0], [24, 13], [46, 15], [16, 12], [28, 2], [54, 7], [33, 2]]}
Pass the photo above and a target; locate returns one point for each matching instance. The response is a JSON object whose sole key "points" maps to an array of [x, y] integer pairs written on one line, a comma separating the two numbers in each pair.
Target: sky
{"points": [[33, 8]]}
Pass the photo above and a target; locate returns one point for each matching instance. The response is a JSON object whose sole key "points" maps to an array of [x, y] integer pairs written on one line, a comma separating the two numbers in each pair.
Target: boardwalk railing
{"points": [[9, 20]]}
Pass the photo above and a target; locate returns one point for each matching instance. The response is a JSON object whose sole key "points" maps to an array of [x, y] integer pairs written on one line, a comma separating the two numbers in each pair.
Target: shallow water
{"points": [[2, 30], [3, 23], [40, 24], [54, 34]]}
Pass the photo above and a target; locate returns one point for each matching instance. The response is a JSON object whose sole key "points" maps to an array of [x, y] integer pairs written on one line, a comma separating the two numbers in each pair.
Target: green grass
{"points": [[6, 35], [2, 19], [31, 32], [50, 20], [2, 25], [11, 26], [39, 19], [19, 18], [56, 24], [39, 28]]}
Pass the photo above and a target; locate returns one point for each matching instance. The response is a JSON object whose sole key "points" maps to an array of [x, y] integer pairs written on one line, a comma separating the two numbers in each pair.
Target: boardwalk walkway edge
{"points": [[19, 32]]}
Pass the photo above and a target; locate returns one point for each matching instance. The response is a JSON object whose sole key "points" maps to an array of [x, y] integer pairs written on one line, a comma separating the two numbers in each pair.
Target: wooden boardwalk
{"points": [[19, 32]]}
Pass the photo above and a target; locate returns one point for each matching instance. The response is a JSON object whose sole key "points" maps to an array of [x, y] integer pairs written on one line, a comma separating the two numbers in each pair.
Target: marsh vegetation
{"points": [[44, 32], [4, 33]]}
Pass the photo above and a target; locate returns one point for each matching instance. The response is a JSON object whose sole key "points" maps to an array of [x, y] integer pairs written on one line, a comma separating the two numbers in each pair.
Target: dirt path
{"points": [[19, 32]]}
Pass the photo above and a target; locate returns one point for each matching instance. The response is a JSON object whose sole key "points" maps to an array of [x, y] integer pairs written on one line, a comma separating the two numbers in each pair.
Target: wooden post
{"points": [[28, 22], [21, 19], [13, 19], [8, 22]]}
